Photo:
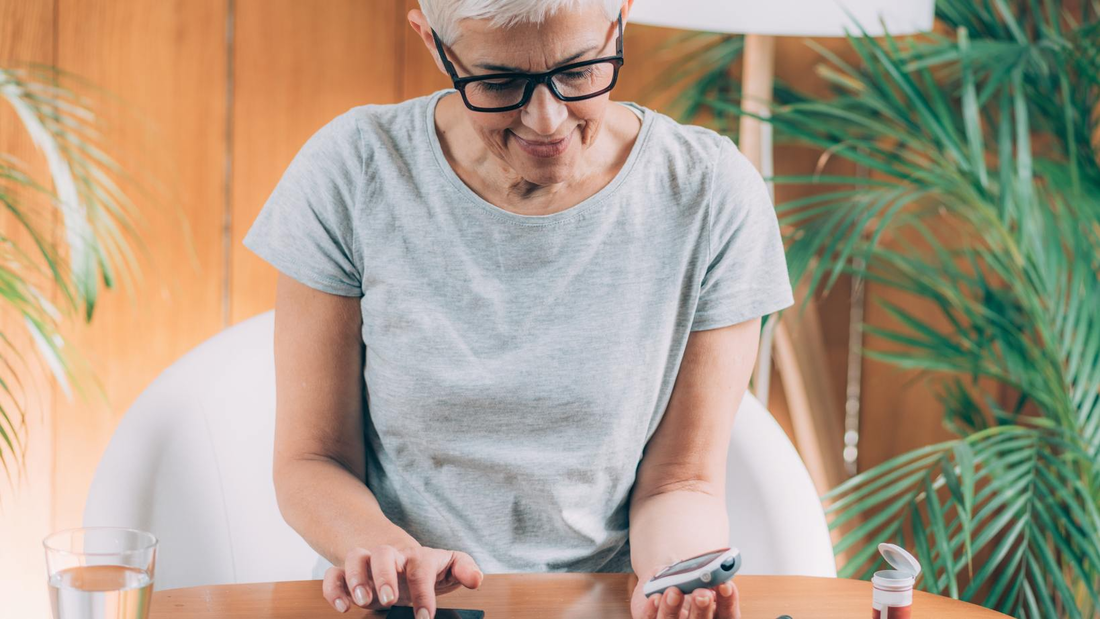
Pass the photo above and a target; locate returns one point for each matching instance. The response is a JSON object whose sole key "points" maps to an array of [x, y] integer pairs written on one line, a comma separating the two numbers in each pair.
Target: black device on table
{"points": [[406, 612]]}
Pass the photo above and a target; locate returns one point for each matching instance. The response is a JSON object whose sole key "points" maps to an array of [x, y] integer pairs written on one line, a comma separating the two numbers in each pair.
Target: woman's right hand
{"points": [[384, 576]]}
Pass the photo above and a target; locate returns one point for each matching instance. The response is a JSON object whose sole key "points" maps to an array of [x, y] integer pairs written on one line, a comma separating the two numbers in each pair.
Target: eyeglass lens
{"points": [[505, 92]]}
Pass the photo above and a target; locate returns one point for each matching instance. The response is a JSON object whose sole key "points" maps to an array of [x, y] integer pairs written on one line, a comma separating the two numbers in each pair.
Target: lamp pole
{"points": [[755, 142], [811, 403]]}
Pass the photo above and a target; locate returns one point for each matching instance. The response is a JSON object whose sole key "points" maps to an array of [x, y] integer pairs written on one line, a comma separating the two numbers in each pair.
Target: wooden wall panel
{"points": [[419, 75], [297, 65], [26, 503], [168, 60], [901, 412]]}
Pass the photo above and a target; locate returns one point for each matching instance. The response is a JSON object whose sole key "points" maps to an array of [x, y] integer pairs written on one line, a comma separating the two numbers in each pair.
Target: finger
{"points": [[383, 570], [335, 590], [728, 604], [465, 570], [702, 604], [652, 603], [671, 601], [357, 576], [421, 569]]}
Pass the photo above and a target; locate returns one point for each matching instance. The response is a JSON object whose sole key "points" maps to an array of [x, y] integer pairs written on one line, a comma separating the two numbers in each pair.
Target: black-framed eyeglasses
{"points": [[501, 92]]}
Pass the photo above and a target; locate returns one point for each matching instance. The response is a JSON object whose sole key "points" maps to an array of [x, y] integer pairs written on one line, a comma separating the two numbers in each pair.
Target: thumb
{"points": [[465, 570]]}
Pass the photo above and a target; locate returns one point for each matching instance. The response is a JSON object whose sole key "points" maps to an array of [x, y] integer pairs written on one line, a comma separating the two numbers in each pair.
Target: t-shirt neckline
{"points": [[532, 220]]}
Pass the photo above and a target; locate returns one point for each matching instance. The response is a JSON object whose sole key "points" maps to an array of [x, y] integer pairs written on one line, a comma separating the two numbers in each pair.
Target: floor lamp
{"points": [[796, 341]]}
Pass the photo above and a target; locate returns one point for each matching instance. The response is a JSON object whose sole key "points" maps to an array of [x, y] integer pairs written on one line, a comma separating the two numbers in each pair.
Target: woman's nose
{"points": [[544, 113]]}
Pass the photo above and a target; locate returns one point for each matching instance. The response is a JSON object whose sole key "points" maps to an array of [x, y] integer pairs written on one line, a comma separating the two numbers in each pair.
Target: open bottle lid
{"points": [[900, 559]]}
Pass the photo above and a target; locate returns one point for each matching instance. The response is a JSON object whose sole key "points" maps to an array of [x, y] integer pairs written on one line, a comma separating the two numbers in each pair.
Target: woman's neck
{"points": [[500, 184]]}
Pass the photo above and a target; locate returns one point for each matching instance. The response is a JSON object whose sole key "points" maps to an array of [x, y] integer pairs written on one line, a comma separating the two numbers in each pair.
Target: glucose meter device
{"points": [[707, 570]]}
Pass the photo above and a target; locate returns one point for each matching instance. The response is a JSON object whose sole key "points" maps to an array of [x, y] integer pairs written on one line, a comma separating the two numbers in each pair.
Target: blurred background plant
{"points": [[979, 197], [100, 235]]}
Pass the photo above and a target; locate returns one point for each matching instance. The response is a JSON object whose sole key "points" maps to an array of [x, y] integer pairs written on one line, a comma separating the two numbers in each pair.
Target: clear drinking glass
{"points": [[100, 572]]}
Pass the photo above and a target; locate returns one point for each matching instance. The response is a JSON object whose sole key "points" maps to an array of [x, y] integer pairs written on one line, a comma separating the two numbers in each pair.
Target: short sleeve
{"points": [[306, 227], [746, 275]]}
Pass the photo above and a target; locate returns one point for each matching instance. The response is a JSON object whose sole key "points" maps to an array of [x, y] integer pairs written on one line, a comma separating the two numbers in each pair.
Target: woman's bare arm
{"points": [[320, 463], [678, 504], [320, 455]]}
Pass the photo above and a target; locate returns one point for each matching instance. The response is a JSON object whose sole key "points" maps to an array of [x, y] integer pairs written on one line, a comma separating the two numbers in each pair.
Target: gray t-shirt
{"points": [[516, 365]]}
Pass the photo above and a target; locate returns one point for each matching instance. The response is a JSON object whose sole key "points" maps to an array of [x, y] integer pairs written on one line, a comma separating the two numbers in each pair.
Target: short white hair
{"points": [[444, 15]]}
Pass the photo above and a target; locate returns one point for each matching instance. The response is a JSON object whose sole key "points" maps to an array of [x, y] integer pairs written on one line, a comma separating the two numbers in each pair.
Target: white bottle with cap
{"points": [[893, 589]]}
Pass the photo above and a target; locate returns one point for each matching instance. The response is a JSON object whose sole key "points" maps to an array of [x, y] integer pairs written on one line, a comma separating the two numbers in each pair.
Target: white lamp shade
{"points": [[818, 18]]}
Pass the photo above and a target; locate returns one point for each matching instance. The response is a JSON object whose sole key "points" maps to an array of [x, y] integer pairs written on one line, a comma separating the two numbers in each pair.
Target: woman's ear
{"points": [[419, 23], [627, 5]]}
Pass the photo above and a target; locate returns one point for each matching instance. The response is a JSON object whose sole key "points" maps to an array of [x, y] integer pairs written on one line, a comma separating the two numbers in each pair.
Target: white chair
{"points": [[191, 462]]}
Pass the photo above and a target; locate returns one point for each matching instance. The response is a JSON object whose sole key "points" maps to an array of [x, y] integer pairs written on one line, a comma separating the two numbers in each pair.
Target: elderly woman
{"points": [[514, 320]]}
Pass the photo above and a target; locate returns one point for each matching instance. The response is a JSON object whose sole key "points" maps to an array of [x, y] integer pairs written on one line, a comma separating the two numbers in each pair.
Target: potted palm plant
{"points": [[96, 247], [980, 196]]}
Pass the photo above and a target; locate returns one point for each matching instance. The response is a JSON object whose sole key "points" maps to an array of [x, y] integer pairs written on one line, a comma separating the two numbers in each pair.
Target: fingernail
{"points": [[423, 614], [656, 601], [385, 595], [341, 605], [360, 595], [726, 589], [701, 599], [674, 597]]}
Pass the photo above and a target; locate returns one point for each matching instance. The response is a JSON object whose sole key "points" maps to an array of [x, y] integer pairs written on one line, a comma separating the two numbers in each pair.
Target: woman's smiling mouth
{"points": [[544, 149]]}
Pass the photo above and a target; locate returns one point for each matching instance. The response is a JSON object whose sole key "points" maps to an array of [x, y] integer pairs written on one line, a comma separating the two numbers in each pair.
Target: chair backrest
{"points": [[191, 462], [776, 518]]}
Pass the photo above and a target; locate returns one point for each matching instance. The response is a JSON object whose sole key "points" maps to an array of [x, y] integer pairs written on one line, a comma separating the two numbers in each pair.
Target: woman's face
{"points": [[568, 36]]}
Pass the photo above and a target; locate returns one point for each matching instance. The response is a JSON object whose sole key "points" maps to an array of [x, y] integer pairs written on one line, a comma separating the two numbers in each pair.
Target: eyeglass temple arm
{"points": [[443, 56], [619, 42]]}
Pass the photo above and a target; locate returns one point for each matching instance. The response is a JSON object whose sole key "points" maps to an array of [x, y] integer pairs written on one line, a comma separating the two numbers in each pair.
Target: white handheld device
{"points": [[709, 569]]}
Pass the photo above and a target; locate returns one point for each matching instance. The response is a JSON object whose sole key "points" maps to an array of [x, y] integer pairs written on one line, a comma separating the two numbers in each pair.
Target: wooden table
{"points": [[553, 596]]}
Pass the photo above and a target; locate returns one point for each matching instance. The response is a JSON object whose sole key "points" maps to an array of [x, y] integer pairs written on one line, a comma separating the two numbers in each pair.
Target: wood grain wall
{"points": [[234, 88], [26, 506]]}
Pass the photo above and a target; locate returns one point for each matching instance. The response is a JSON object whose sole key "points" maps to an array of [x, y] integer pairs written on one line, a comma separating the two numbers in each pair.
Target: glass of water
{"points": [[100, 572]]}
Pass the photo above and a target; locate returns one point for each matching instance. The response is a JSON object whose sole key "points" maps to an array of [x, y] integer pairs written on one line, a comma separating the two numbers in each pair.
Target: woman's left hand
{"points": [[719, 602]]}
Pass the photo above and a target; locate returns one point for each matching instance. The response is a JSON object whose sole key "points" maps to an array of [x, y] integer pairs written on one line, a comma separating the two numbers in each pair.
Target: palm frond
{"points": [[101, 226], [1012, 495]]}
